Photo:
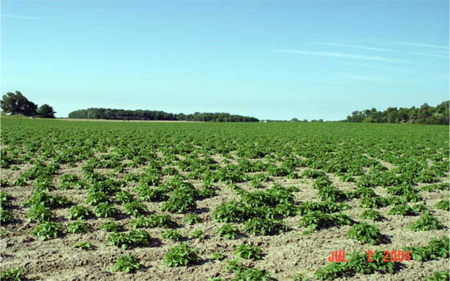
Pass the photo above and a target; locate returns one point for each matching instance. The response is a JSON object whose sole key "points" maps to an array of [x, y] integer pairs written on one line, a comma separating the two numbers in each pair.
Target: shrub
{"points": [[47, 230], [249, 252], [365, 233], [228, 231], [426, 222], [127, 263], [181, 255]]}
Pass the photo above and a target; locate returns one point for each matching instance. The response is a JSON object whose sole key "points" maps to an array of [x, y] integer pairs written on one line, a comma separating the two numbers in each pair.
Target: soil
{"points": [[285, 255]]}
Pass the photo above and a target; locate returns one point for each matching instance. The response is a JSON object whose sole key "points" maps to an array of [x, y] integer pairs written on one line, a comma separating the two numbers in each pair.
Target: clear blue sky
{"points": [[268, 59]]}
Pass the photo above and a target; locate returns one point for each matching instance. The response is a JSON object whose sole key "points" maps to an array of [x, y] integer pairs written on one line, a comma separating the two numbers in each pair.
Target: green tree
{"points": [[16, 103], [46, 111]]}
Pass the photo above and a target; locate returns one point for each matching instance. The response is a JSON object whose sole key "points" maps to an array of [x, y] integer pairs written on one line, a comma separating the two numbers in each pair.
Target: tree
{"points": [[16, 103], [46, 111]]}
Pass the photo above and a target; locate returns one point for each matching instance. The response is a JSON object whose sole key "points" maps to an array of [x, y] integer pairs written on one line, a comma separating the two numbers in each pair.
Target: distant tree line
{"points": [[17, 104], [122, 114], [425, 114]]}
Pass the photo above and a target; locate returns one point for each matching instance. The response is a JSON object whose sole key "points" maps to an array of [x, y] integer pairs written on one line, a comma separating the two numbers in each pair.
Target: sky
{"points": [[267, 59]]}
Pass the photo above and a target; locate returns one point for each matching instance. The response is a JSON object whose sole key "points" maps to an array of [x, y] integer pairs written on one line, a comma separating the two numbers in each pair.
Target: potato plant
{"points": [[133, 184]]}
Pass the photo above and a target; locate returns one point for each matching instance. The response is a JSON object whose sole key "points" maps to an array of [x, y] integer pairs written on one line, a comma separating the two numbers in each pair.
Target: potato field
{"points": [[223, 201]]}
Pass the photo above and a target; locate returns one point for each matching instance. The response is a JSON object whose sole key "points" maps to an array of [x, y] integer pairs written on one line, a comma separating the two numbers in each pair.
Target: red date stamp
{"points": [[389, 256]]}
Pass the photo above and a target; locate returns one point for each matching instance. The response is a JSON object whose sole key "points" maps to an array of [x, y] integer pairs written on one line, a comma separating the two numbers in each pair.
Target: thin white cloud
{"points": [[21, 17], [351, 46], [430, 55], [382, 66], [337, 55], [420, 45], [363, 77], [18, 17]]}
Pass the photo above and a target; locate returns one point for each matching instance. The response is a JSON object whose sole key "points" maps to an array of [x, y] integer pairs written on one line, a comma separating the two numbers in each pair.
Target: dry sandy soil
{"points": [[285, 254]]}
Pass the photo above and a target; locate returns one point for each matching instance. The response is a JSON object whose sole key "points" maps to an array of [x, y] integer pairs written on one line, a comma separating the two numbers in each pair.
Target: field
{"points": [[228, 201]]}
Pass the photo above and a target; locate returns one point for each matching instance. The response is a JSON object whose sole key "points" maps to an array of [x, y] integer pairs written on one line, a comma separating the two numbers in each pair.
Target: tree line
{"points": [[122, 114], [17, 104], [425, 114]]}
